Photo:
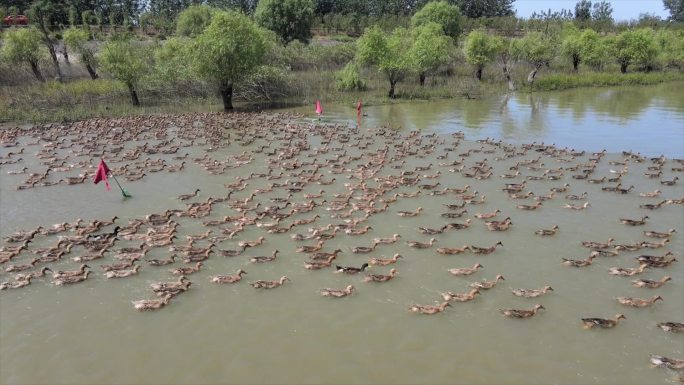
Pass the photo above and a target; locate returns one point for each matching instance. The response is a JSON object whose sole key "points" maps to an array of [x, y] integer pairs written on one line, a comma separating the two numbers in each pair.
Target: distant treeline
{"points": [[342, 16]]}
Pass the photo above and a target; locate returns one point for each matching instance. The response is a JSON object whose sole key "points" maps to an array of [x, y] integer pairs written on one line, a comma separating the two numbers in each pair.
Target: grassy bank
{"points": [[563, 81], [82, 99]]}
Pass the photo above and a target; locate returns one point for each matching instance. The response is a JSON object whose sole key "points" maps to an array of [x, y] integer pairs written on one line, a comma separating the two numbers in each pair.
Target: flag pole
{"points": [[124, 192]]}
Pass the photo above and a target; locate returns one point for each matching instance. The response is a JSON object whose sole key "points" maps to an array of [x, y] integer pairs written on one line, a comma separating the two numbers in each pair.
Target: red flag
{"points": [[319, 108], [101, 174]]}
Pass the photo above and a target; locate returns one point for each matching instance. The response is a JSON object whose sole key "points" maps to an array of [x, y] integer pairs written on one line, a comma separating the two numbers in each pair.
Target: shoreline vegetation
{"points": [[60, 70]]}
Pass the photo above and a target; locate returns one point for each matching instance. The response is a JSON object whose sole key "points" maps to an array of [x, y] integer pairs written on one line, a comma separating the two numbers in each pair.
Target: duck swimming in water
{"points": [[385, 262], [532, 293], [521, 313], [590, 323], [429, 309], [350, 269], [337, 293], [465, 270], [638, 302]]}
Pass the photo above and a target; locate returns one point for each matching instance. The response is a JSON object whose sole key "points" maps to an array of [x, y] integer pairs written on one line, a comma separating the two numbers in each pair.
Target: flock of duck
{"points": [[301, 157]]}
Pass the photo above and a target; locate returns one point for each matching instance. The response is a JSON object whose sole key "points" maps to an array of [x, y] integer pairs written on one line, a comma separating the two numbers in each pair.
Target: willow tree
{"points": [[125, 61], [448, 16], [480, 49], [389, 53], [77, 40], [534, 48], [23, 46], [630, 47], [289, 19], [230, 49], [430, 49]]}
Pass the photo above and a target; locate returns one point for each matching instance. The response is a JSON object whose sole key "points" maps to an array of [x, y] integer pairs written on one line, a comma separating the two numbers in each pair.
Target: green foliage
{"points": [[676, 9], [446, 15], [124, 61], [671, 47], [635, 47], [583, 10], [289, 19], [349, 78], [557, 82], [430, 48], [230, 48], [571, 47], [73, 16], [481, 49], [593, 49], [193, 20], [171, 64], [77, 40], [88, 18], [389, 53], [22, 45], [265, 83], [485, 8], [534, 48]]}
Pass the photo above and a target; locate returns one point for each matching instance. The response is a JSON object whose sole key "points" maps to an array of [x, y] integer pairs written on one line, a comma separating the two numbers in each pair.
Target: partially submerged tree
{"points": [[77, 40], [430, 49], [480, 49], [535, 49], [24, 46], [231, 48], [125, 61], [289, 19], [386, 52], [446, 15]]}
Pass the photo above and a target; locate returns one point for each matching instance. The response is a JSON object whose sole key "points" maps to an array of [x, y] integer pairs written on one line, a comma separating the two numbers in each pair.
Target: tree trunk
{"points": [[623, 67], [36, 72], [53, 53], [91, 71], [530, 77], [226, 90], [575, 62], [391, 90], [507, 74], [478, 73], [134, 95], [66, 55], [421, 78]]}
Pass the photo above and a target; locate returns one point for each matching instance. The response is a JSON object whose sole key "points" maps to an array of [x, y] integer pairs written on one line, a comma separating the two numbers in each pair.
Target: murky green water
{"points": [[645, 119], [90, 333]]}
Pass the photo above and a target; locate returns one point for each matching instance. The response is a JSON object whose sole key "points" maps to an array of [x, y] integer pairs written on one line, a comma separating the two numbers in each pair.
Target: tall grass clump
{"points": [[349, 78]]}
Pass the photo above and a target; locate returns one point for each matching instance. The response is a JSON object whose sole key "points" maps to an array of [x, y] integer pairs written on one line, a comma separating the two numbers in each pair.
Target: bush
{"points": [[267, 83], [349, 78]]}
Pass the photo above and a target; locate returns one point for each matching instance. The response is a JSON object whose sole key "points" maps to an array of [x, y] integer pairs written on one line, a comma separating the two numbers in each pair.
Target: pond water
{"points": [[649, 120], [90, 333]]}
